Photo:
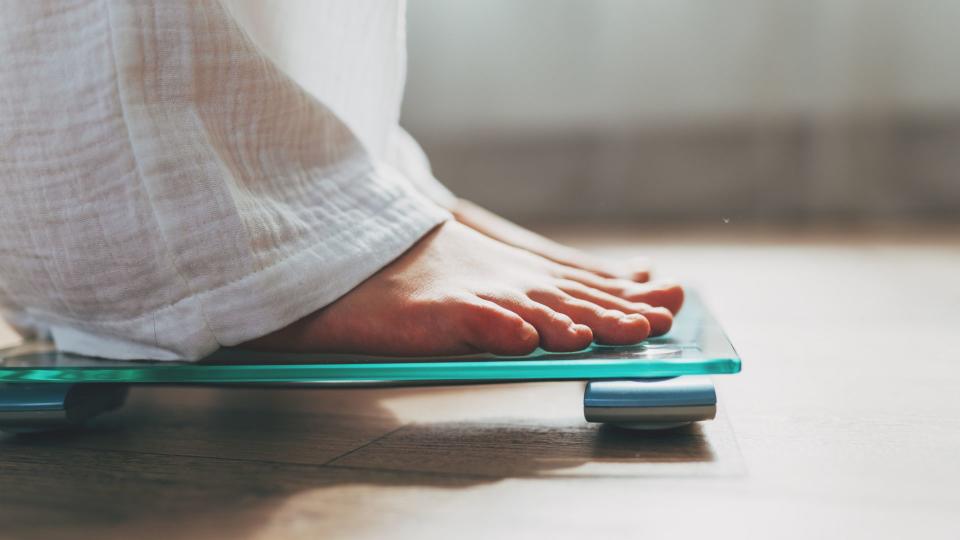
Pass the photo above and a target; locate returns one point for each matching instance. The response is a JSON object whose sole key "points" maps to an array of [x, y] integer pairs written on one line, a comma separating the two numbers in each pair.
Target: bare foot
{"points": [[510, 233], [457, 291]]}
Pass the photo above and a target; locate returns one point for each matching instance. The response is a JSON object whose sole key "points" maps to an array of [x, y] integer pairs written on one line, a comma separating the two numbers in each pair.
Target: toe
{"points": [[609, 326], [660, 293], [639, 276], [637, 269], [660, 318], [611, 285], [664, 294], [558, 332], [489, 327]]}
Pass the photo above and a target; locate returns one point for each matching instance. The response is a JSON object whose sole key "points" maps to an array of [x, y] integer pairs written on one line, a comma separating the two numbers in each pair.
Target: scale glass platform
{"points": [[34, 373], [695, 346]]}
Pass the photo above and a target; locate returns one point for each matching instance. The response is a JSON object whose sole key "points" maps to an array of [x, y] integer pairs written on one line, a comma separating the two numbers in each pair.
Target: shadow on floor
{"points": [[220, 462]]}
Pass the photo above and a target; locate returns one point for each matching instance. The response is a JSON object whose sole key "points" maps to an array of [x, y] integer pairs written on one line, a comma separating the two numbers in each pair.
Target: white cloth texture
{"points": [[180, 175]]}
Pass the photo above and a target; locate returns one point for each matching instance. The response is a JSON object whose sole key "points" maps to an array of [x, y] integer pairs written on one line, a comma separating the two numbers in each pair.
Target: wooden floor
{"points": [[845, 423]]}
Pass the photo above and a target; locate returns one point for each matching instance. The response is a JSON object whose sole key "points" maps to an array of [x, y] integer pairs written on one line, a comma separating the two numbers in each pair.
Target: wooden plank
{"points": [[285, 425], [49, 491], [531, 430]]}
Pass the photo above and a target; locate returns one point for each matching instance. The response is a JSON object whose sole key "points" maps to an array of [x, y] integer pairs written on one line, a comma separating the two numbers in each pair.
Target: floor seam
{"points": [[362, 446], [204, 457]]}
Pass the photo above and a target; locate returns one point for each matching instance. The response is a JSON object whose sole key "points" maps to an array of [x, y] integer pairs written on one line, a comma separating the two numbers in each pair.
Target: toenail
{"points": [[578, 328]]}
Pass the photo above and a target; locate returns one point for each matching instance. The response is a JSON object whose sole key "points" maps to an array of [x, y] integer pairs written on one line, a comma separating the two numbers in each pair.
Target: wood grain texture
{"points": [[844, 423]]}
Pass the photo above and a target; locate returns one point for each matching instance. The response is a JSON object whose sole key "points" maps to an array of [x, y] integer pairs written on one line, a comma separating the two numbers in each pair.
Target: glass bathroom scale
{"points": [[695, 346]]}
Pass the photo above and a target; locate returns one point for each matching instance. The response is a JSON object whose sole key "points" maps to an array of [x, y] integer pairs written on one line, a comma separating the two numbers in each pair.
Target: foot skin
{"points": [[458, 292], [510, 233]]}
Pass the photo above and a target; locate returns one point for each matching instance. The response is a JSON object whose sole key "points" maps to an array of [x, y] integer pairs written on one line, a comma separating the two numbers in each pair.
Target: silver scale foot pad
{"points": [[650, 403], [33, 407]]}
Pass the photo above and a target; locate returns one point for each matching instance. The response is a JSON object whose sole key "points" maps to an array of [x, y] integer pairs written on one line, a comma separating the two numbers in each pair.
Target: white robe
{"points": [[179, 175]]}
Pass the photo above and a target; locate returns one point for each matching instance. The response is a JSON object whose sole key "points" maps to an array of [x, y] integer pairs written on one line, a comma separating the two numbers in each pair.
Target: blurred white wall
{"points": [[833, 85]]}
